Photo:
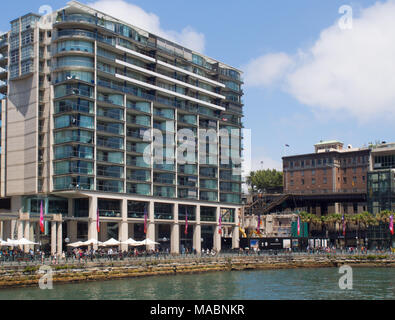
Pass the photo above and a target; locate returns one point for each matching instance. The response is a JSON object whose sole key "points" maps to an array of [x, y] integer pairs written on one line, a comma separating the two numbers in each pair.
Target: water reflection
{"points": [[309, 284]]}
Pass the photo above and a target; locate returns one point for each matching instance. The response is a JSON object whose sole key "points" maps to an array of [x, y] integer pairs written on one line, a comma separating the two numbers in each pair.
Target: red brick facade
{"points": [[327, 172]]}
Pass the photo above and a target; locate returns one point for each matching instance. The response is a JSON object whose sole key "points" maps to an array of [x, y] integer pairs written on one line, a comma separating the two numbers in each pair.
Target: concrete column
{"points": [[2, 230], [236, 232], [12, 230], [60, 238], [175, 238], [27, 234], [175, 213], [53, 237], [198, 214], [197, 238], [72, 231], [70, 211], [6, 229], [20, 229], [92, 224], [217, 235], [151, 224], [123, 226], [123, 234]]}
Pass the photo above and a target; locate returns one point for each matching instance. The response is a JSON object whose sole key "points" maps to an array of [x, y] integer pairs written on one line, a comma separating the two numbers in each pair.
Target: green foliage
{"points": [[263, 179]]}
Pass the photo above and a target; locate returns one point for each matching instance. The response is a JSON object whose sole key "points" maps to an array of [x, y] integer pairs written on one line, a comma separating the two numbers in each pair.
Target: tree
{"points": [[261, 180]]}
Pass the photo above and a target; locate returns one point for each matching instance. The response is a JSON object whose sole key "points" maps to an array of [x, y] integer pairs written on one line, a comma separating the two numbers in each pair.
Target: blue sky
{"points": [[237, 32]]}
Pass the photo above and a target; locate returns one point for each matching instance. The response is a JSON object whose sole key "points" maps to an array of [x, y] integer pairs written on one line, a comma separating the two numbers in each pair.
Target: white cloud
{"points": [[138, 17], [345, 70], [266, 69]]}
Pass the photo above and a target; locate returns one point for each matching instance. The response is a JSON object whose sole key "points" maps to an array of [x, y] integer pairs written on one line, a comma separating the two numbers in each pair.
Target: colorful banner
{"points": [[392, 224], [145, 220], [186, 223], [42, 218], [98, 221]]}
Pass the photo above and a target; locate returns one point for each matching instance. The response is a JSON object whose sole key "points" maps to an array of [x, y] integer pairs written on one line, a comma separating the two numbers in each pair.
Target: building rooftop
{"points": [[84, 8]]}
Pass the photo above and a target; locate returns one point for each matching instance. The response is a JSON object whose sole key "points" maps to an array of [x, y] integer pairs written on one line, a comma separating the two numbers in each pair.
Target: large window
{"points": [[74, 105], [74, 121], [84, 152], [75, 45], [75, 61], [66, 167], [73, 136], [73, 89], [72, 183], [74, 75]]}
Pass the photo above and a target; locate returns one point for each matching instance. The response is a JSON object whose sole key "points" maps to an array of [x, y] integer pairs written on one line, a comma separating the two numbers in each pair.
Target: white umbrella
{"points": [[111, 242], [148, 242], [76, 244], [132, 242], [25, 242], [11, 242], [91, 242]]}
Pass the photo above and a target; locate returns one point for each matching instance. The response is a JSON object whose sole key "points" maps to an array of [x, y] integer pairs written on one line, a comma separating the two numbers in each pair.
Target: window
{"points": [[344, 180], [313, 172], [313, 181], [325, 181]]}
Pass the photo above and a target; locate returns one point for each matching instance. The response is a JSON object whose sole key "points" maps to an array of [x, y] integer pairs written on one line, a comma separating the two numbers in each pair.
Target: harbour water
{"points": [[291, 284]]}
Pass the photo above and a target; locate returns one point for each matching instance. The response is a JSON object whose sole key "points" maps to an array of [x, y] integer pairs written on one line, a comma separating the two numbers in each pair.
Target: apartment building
{"points": [[103, 121]]}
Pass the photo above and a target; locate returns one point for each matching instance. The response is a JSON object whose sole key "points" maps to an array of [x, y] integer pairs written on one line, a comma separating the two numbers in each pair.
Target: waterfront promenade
{"points": [[22, 274]]}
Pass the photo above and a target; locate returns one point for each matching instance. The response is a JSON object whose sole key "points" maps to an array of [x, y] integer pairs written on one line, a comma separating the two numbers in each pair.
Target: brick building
{"points": [[331, 169]]}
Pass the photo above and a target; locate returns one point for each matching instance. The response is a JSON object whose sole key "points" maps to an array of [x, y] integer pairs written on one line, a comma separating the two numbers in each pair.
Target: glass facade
{"points": [[381, 191]]}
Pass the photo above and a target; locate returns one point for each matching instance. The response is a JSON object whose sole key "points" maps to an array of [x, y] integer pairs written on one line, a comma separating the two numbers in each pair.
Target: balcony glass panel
{"points": [[138, 147], [140, 120], [114, 128], [209, 184], [116, 114], [74, 75], [110, 142], [84, 152], [112, 157], [73, 136], [73, 183], [75, 46], [69, 105], [73, 89], [75, 61], [116, 99], [110, 171], [187, 169], [79, 167], [139, 106], [138, 175], [187, 194], [74, 121], [137, 162], [110, 186], [166, 192], [140, 189], [208, 196]]}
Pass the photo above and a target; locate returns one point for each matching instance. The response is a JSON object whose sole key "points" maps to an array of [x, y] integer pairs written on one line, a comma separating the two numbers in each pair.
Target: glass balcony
{"points": [[116, 114], [110, 186], [114, 128], [187, 194], [165, 192], [140, 189], [73, 105], [137, 162], [208, 196]]}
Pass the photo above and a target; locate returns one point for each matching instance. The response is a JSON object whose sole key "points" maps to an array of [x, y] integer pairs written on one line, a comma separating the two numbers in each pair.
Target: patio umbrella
{"points": [[132, 242], [11, 242], [91, 242], [24, 242], [148, 242], [76, 244], [110, 243]]}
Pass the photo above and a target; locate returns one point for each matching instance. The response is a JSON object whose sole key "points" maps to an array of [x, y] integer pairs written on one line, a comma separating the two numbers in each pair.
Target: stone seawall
{"points": [[22, 276]]}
